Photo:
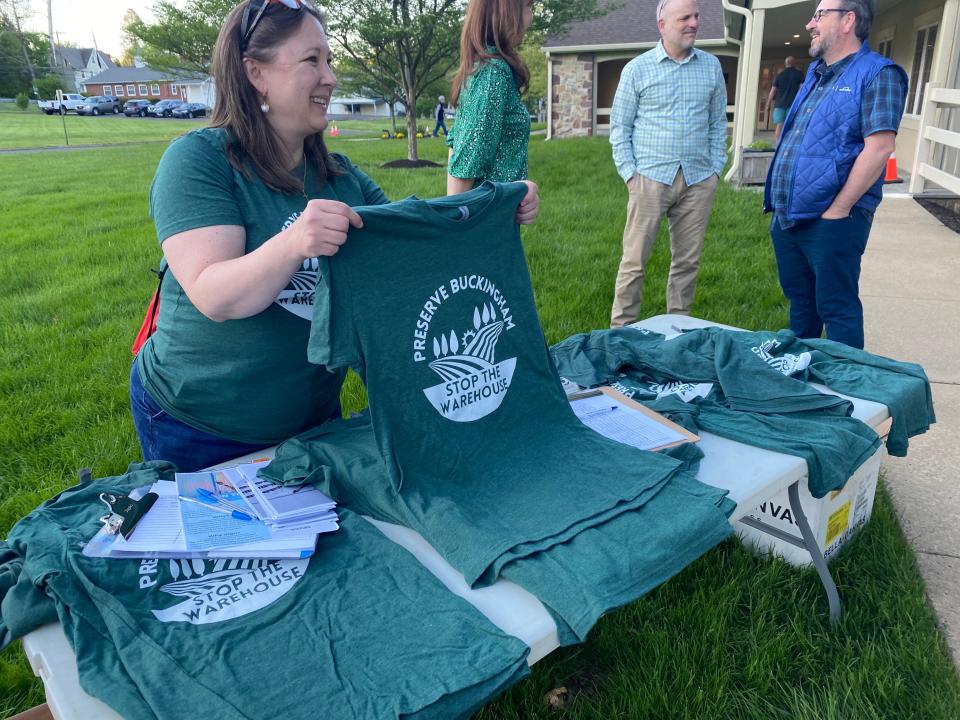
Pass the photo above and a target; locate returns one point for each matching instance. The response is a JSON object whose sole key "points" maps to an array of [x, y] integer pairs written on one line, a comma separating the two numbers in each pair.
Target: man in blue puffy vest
{"points": [[825, 180]]}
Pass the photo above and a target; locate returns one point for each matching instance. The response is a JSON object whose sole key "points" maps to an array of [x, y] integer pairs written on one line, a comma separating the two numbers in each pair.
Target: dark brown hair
{"points": [[237, 109], [491, 22]]}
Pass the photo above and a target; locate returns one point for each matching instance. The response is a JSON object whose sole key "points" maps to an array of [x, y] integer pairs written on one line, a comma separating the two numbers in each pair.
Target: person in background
{"points": [[668, 129], [490, 136], [439, 113], [782, 93], [826, 178], [243, 209]]}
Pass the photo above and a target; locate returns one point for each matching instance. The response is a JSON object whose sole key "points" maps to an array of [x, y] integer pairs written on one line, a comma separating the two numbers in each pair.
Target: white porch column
{"points": [[748, 106]]}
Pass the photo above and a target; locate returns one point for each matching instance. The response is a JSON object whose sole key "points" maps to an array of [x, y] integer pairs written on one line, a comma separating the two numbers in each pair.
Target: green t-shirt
{"points": [[360, 631], [597, 567], [248, 379], [492, 129], [750, 387], [431, 303]]}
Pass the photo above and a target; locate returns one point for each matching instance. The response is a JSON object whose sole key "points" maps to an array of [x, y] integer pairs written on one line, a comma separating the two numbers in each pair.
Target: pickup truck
{"points": [[70, 102]]}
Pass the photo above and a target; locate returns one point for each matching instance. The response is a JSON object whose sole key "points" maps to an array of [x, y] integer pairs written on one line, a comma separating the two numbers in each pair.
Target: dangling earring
{"points": [[264, 106]]}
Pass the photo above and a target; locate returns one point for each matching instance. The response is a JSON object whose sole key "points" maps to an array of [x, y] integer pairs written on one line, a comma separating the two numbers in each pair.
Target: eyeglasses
{"points": [[256, 9], [818, 15]]}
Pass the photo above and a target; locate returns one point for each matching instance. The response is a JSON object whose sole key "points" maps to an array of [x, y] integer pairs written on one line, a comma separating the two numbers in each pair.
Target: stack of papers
{"points": [[283, 506], [228, 513], [617, 417]]}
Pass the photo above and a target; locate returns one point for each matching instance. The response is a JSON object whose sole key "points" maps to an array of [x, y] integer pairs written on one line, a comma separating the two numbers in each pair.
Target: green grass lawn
{"points": [[733, 636], [31, 128]]}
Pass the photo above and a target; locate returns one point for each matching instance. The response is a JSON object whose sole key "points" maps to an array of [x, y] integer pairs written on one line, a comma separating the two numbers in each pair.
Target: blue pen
{"points": [[599, 411], [214, 498], [235, 514]]}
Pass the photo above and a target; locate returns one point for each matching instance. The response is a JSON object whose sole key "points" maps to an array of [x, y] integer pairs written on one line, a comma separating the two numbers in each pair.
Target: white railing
{"points": [[936, 99]]}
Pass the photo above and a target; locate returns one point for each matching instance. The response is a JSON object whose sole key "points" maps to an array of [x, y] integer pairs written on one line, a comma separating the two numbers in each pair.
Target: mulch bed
{"points": [[948, 217], [410, 164]]}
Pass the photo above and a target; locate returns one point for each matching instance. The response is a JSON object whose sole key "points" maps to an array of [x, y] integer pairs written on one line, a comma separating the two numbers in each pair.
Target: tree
{"points": [[413, 44], [402, 44], [18, 53], [355, 80], [181, 39], [13, 13], [537, 63], [47, 86]]}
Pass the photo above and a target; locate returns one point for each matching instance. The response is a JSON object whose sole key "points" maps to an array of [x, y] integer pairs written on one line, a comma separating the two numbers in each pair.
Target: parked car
{"points": [[136, 107], [190, 110], [99, 105], [164, 108], [68, 102]]}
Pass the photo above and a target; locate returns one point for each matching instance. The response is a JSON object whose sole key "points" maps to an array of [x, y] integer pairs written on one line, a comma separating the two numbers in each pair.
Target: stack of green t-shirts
{"points": [[431, 303], [359, 630], [751, 387], [600, 567]]}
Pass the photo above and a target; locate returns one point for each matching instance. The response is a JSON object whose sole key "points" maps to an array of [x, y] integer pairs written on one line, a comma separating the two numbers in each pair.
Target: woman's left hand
{"points": [[529, 206]]}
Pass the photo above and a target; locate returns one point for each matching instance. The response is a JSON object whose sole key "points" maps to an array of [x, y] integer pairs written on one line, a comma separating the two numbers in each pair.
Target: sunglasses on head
{"points": [[255, 10]]}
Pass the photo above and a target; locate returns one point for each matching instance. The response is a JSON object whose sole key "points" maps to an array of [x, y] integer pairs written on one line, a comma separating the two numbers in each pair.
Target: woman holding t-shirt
{"points": [[489, 139], [243, 209]]}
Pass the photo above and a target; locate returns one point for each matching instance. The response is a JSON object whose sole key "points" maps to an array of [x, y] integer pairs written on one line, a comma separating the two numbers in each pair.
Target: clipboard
{"points": [[622, 399]]}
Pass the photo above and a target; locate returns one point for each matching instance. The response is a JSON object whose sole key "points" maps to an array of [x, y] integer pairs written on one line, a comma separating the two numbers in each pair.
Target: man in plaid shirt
{"points": [[825, 181], [668, 128]]}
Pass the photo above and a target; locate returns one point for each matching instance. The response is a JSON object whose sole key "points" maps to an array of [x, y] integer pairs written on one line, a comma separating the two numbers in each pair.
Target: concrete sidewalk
{"points": [[912, 312]]}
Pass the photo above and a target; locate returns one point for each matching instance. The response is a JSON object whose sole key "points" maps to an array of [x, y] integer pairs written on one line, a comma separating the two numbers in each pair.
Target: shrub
{"points": [[22, 101], [48, 85]]}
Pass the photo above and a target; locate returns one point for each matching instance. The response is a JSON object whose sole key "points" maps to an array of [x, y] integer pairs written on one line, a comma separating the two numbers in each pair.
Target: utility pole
{"points": [[53, 44]]}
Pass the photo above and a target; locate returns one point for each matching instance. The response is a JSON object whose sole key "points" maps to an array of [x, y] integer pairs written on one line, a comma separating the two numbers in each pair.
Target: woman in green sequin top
{"points": [[489, 138]]}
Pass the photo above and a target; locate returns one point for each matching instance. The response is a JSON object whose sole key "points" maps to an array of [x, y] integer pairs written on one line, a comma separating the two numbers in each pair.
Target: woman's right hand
{"points": [[224, 283], [322, 228]]}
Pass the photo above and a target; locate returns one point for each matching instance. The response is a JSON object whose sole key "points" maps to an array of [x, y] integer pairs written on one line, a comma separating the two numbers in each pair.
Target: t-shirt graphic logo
{"points": [[688, 392], [211, 591], [298, 295], [474, 383], [788, 363]]}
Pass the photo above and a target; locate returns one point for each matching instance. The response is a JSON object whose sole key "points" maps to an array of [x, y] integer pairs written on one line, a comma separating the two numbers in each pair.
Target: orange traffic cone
{"points": [[891, 174], [334, 131]]}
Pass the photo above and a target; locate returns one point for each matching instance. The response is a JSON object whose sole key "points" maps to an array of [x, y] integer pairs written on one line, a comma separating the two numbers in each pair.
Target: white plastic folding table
{"points": [[751, 475]]}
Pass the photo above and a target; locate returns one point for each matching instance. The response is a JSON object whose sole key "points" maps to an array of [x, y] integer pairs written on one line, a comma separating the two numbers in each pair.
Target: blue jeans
{"points": [[440, 125], [819, 267], [163, 437]]}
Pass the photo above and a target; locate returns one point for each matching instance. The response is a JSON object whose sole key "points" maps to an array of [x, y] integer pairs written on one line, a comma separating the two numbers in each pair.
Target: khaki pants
{"points": [[687, 208]]}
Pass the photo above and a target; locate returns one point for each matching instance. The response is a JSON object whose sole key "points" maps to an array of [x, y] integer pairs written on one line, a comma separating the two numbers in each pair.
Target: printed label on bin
{"points": [[838, 522]]}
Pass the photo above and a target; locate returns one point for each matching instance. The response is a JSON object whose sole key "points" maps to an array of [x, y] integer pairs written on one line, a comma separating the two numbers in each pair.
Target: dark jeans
{"points": [[819, 266], [440, 126], [163, 437]]}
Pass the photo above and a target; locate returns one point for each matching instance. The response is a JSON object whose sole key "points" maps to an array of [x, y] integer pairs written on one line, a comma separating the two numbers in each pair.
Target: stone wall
{"points": [[572, 108]]}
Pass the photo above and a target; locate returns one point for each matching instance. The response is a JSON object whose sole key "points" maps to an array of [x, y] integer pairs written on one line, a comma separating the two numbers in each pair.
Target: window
{"points": [[920, 70], [118, 90], [174, 90], [885, 47], [131, 90], [142, 87], [154, 89]]}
